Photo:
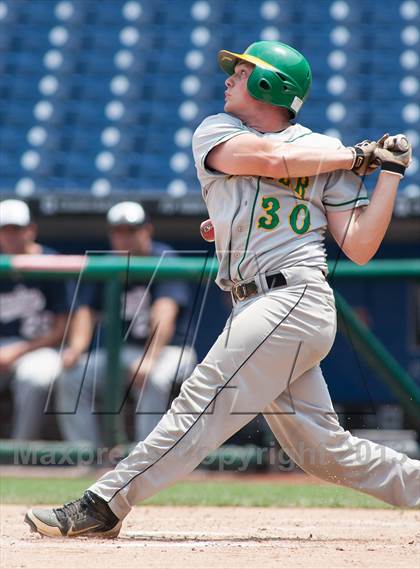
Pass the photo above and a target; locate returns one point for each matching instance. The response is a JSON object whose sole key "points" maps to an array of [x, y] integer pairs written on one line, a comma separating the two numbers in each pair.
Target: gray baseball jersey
{"points": [[264, 225]]}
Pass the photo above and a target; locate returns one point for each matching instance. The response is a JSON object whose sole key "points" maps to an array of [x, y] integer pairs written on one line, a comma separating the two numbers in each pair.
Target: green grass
{"points": [[57, 491]]}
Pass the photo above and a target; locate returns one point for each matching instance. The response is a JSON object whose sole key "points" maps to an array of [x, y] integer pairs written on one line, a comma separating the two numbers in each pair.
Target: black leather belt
{"points": [[246, 290]]}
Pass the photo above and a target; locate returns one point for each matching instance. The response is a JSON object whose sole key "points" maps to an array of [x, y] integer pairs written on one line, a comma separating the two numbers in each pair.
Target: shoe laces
{"points": [[70, 510]]}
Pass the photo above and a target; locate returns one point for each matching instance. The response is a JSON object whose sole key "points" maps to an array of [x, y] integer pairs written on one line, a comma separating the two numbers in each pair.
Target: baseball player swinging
{"points": [[272, 188]]}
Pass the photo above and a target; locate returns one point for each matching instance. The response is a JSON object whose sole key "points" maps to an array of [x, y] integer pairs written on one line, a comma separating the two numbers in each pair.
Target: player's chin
{"points": [[228, 106]]}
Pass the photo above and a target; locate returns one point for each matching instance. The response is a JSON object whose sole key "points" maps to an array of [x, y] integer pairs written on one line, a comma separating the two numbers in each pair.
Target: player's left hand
{"points": [[365, 161], [10, 353]]}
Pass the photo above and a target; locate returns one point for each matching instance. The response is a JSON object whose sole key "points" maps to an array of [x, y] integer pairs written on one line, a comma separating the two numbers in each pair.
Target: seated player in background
{"points": [[33, 316], [153, 315]]}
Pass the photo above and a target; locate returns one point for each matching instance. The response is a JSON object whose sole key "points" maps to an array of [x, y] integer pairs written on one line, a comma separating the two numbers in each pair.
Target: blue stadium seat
{"points": [[15, 113], [122, 65], [12, 139], [9, 163]]}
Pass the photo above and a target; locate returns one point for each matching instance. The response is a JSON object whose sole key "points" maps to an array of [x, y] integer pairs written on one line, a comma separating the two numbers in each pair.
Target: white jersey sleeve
{"points": [[344, 190], [213, 131]]}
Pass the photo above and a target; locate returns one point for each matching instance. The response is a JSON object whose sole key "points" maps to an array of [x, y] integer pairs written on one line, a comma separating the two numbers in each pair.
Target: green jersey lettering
{"points": [[300, 219], [270, 220]]}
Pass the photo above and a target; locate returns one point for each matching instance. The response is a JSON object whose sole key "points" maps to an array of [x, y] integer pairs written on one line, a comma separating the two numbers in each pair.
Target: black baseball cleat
{"points": [[89, 516]]}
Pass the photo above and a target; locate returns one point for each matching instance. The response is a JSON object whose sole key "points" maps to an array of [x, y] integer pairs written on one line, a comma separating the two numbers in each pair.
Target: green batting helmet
{"points": [[281, 76]]}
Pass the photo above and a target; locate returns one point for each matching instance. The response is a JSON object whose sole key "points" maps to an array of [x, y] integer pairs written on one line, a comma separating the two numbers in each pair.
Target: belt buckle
{"points": [[239, 291]]}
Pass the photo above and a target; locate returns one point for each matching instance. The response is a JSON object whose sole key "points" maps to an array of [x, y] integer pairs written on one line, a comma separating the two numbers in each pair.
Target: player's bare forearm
{"points": [[80, 336], [250, 155], [359, 233], [49, 340], [162, 335], [162, 320], [81, 329], [371, 225], [289, 161], [162, 324]]}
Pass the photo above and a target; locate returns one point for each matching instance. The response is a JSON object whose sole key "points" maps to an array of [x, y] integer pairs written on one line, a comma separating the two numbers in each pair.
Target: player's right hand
{"points": [[70, 357]]}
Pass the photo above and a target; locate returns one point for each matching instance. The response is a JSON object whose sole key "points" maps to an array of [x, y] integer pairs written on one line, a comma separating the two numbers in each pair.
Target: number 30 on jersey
{"points": [[299, 217]]}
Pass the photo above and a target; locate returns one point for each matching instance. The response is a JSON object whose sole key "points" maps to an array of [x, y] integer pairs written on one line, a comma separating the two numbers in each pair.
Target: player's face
{"points": [[237, 98], [14, 239], [131, 238]]}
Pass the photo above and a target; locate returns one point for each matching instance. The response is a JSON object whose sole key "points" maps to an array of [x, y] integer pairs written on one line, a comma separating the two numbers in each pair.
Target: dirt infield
{"points": [[164, 537]]}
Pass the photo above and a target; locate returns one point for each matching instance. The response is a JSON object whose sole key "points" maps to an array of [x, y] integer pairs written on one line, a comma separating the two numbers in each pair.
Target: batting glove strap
{"points": [[358, 157], [393, 168]]}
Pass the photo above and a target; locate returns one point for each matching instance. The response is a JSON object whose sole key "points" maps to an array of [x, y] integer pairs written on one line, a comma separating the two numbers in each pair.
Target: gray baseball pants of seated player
{"points": [[77, 387], [31, 376], [266, 359]]}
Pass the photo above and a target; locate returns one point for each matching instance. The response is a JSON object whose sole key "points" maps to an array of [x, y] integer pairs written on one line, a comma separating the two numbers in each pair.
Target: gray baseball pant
{"points": [[266, 359], [31, 377]]}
